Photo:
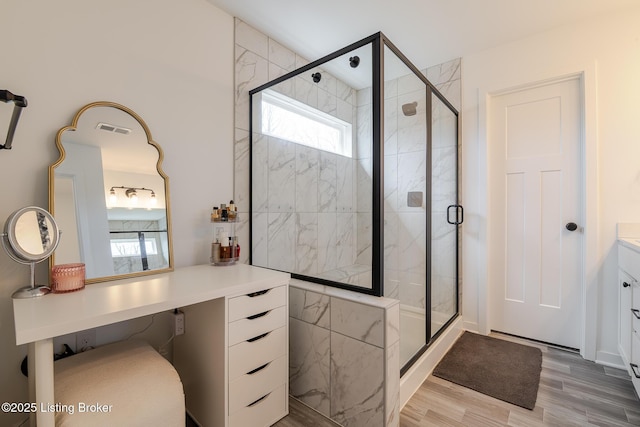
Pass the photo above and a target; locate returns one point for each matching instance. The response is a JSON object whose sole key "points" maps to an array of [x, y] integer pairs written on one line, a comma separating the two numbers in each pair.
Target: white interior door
{"points": [[535, 198]]}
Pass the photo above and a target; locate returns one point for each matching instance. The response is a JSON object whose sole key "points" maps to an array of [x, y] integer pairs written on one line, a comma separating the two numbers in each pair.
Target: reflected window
{"points": [[290, 120], [131, 247]]}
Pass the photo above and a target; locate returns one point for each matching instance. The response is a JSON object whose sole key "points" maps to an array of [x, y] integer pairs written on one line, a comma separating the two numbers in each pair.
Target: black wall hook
{"points": [[19, 102]]}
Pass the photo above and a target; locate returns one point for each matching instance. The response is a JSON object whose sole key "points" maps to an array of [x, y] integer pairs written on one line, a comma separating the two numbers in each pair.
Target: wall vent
{"points": [[112, 128]]}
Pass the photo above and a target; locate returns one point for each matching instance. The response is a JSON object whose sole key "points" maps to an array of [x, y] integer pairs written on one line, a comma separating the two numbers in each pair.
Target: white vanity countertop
{"points": [[630, 243], [115, 301]]}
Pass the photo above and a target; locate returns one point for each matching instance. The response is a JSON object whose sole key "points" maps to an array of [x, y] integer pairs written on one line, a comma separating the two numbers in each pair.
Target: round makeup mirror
{"points": [[30, 236]]}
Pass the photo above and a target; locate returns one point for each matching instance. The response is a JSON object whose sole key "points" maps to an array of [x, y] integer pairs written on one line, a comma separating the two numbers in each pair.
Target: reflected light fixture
{"points": [[132, 194]]}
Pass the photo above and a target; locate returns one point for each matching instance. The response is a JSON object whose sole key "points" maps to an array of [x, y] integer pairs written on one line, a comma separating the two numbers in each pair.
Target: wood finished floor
{"points": [[572, 392]]}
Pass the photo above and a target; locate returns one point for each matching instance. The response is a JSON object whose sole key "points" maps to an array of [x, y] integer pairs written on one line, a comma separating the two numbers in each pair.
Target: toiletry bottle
{"points": [[215, 217], [215, 247], [225, 250], [225, 213]]}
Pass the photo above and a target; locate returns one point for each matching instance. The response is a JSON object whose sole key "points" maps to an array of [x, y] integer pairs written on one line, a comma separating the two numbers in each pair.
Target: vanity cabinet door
{"points": [[625, 289]]}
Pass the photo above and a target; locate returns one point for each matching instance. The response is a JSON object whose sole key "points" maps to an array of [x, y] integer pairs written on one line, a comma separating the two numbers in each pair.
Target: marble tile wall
{"points": [[344, 356], [309, 210]]}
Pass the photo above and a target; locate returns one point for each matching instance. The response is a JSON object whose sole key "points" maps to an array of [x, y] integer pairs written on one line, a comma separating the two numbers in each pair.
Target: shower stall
{"points": [[354, 183]]}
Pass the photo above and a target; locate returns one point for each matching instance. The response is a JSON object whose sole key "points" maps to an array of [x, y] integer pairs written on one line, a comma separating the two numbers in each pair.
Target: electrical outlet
{"points": [[178, 322], [85, 340]]}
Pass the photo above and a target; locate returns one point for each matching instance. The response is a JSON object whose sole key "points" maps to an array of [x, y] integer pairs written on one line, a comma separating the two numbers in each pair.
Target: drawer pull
{"points": [[258, 369], [255, 316], [258, 401], [259, 337], [258, 293], [636, 312], [634, 368]]}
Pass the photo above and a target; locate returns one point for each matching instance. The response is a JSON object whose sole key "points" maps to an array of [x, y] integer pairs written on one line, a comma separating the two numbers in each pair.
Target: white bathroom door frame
{"points": [[590, 256]]}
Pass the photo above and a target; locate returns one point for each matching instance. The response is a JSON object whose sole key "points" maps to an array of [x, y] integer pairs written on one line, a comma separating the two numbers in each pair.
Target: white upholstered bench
{"points": [[126, 383]]}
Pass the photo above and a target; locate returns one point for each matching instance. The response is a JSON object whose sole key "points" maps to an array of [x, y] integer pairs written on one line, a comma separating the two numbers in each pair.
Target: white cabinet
{"points": [[236, 376], [629, 310]]}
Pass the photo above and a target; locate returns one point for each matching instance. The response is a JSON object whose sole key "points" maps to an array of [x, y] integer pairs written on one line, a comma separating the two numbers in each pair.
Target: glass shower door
{"points": [[446, 214]]}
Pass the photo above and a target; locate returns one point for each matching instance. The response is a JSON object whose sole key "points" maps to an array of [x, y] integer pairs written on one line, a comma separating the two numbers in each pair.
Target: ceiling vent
{"points": [[112, 128]]}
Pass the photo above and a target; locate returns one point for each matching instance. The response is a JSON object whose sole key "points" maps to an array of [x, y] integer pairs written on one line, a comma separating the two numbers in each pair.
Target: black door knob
{"points": [[625, 284], [572, 226]]}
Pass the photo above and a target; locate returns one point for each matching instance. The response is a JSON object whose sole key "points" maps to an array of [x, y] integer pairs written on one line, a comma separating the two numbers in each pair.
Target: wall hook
{"points": [[19, 102]]}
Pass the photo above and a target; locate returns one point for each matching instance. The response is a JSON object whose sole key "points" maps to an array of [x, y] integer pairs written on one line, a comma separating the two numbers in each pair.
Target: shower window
{"points": [[288, 119]]}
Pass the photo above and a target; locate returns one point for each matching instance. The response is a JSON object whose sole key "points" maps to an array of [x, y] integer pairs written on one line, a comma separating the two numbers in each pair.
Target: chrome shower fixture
{"points": [[316, 77], [409, 109], [354, 61]]}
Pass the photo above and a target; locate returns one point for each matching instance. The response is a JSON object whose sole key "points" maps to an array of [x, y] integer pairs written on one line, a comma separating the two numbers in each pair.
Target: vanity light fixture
{"points": [[132, 194], [19, 102]]}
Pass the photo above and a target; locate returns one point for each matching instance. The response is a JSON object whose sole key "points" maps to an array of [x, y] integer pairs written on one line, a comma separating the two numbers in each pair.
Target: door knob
{"points": [[572, 226]]}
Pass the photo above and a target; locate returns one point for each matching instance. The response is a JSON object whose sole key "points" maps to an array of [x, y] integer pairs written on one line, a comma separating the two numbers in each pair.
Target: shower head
{"points": [[354, 61], [316, 77], [409, 109]]}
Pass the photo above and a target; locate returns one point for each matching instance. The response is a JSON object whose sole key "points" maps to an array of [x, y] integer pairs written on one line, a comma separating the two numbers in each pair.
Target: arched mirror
{"points": [[110, 195], [30, 236]]}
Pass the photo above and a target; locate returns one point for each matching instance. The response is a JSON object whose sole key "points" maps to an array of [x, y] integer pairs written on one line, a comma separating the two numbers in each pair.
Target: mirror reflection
{"points": [[110, 196], [32, 232]]}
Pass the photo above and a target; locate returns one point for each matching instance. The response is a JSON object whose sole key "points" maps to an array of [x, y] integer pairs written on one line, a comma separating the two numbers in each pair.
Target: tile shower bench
{"points": [[345, 354]]}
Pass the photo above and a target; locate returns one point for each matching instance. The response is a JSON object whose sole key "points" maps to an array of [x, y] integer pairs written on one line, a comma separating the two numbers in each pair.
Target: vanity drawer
{"points": [[635, 361], [251, 386], [249, 355], [263, 412], [252, 327], [245, 306]]}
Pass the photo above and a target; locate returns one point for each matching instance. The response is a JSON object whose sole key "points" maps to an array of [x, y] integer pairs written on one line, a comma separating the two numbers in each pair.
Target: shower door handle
{"points": [[459, 212]]}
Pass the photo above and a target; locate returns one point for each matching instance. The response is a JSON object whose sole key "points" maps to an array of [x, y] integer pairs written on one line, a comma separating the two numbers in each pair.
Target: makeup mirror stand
{"points": [[28, 291]]}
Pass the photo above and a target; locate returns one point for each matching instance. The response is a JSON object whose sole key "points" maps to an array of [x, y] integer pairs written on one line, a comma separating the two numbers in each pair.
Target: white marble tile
{"points": [[281, 56], [241, 191], [390, 183], [345, 111], [345, 247], [306, 91], [443, 180], [444, 126], [391, 240], [412, 130], [391, 284], [251, 71], [281, 241], [391, 89], [392, 325], [364, 185], [327, 242], [282, 171], [306, 178], [445, 72], [345, 184], [359, 321], [306, 250], [328, 83], [392, 385], [260, 172], [411, 177], [251, 39], [410, 83], [357, 396], [259, 240], [309, 365], [345, 92], [327, 103], [364, 128], [391, 126], [328, 182], [300, 61], [363, 97], [286, 87], [364, 238], [310, 307], [242, 231]]}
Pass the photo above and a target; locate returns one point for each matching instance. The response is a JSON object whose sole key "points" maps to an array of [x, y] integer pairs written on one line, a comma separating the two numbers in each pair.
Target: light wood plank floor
{"points": [[572, 392]]}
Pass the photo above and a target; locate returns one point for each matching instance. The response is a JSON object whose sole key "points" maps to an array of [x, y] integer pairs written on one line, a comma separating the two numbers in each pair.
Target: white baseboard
{"points": [[418, 373], [613, 360]]}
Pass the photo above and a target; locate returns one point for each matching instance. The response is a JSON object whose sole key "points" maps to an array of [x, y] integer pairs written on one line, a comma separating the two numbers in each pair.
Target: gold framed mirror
{"points": [[110, 196]]}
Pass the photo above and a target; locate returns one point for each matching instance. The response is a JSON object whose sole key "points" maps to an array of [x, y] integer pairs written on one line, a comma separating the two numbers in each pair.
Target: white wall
{"points": [[171, 62], [608, 51]]}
